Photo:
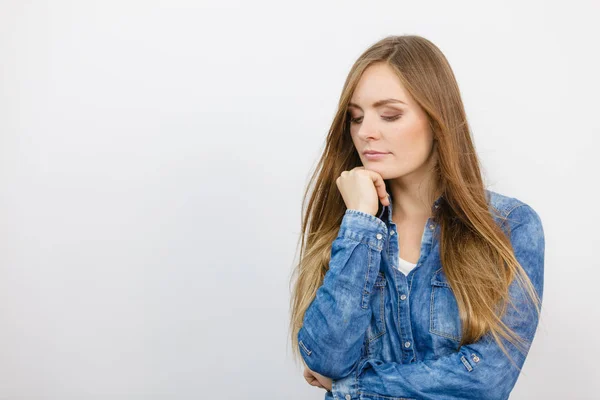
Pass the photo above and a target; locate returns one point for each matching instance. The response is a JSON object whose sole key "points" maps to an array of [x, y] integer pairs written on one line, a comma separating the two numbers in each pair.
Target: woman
{"points": [[414, 280]]}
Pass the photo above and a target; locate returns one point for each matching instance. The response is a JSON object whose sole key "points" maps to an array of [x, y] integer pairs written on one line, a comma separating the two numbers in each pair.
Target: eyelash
{"points": [[390, 119]]}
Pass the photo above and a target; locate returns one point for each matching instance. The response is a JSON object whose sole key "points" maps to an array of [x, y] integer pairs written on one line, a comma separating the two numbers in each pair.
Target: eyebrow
{"points": [[378, 103]]}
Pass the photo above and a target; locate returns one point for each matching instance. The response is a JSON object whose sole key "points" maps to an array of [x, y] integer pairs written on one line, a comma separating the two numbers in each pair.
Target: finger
{"points": [[316, 383], [380, 187]]}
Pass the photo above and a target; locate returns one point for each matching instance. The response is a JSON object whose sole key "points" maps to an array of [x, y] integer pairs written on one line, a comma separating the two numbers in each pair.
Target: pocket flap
{"points": [[380, 281], [439, 278]]}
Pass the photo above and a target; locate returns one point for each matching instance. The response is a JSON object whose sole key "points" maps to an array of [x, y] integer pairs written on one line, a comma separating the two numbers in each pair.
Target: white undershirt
{"points": [[404, 266]]}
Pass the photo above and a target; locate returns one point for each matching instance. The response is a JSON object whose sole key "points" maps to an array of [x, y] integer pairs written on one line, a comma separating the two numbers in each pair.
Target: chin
{"points": [[388, 174], [381, 170]]}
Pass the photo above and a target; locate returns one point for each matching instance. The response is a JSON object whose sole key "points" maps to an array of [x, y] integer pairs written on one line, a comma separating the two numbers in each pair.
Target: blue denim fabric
{"points": [[380, 334]]}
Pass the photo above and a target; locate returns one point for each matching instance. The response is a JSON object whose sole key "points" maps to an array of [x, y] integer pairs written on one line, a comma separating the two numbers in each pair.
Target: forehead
{"points": [[378, 82]]}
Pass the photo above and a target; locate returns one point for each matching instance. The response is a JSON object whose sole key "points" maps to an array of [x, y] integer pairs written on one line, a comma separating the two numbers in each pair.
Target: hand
{"points": [[361, 190], [316, 379]]}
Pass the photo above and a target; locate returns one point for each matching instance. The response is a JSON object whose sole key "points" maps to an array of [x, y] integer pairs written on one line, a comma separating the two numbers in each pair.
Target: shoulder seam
{"points": [[510, 212], [520, 222]]}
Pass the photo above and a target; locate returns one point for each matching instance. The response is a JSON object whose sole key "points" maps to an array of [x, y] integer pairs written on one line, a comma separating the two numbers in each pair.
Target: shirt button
{"points": [[391, 233], [348, 397], [379, 236], [475, 358], [406, 344], [403, 297], [431, 226]]}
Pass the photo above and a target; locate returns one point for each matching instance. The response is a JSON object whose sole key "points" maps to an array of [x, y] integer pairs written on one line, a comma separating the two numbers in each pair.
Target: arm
{"points": [[479, 370], [334, 325]]}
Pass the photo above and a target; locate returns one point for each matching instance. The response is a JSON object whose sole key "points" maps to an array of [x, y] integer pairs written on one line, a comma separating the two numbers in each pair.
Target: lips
{"points": [[374, 152]]}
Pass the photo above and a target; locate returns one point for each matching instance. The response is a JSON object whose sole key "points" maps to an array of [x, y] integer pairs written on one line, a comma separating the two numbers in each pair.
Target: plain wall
{"points": [[153, 157]]}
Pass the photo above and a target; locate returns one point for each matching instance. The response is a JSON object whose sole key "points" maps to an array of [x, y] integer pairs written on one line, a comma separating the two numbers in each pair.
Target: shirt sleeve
{"points": [[476, 371], [335, 323]]}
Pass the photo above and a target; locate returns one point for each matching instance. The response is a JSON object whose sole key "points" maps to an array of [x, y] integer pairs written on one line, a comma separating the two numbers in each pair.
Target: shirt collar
{"points": [[388, 217]]}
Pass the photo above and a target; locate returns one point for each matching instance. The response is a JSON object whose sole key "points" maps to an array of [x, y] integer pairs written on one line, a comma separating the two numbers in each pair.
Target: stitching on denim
{"points": [[354, 385], [380, 281], [379, 396], [381, 318], [364, 303], [431, 319], [467, 365], [308, 352], [454, 338], [382, 308], [399, 324], [431, 310], [374, 243], [439, 282], [508, 215], [351, 235], [411, 281], [366, 215]]}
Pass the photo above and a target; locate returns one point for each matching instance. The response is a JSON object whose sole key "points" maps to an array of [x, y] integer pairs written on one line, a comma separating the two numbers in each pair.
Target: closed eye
{"points": [[356, 120]]}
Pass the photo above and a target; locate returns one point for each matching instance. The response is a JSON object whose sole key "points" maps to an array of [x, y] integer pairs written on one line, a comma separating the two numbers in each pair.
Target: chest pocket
{"points": [[444, 319], [377, 326]]}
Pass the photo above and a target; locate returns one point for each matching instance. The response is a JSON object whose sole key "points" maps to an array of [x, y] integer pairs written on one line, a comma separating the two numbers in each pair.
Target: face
{"points": [[398, 128]]}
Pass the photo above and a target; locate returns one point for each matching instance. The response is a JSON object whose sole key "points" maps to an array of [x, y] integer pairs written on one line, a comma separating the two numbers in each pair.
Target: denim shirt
{"points": [[380, 334]]}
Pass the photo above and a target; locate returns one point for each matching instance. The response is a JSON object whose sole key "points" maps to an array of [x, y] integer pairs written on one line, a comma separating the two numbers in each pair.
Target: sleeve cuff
{"points": [[363, 227], [345, 388]]}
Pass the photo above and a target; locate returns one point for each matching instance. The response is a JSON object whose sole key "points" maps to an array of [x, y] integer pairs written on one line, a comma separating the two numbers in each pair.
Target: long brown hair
{"points": [[477, 256]]}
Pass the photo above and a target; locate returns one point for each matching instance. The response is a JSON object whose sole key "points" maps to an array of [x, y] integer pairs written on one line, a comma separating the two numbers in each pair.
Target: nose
{"points": [[368, 129]]}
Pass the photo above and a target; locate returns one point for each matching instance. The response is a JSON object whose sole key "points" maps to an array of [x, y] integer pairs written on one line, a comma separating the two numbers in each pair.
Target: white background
{"points": [[153, 158]]}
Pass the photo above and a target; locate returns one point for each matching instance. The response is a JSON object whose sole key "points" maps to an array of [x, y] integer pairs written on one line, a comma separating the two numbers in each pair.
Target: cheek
{"points": [[413, 137]]}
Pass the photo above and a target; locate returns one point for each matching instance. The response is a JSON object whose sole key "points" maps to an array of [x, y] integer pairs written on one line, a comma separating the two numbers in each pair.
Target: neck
{"points": [[411, 205], [413, 200], [413, 194]]}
